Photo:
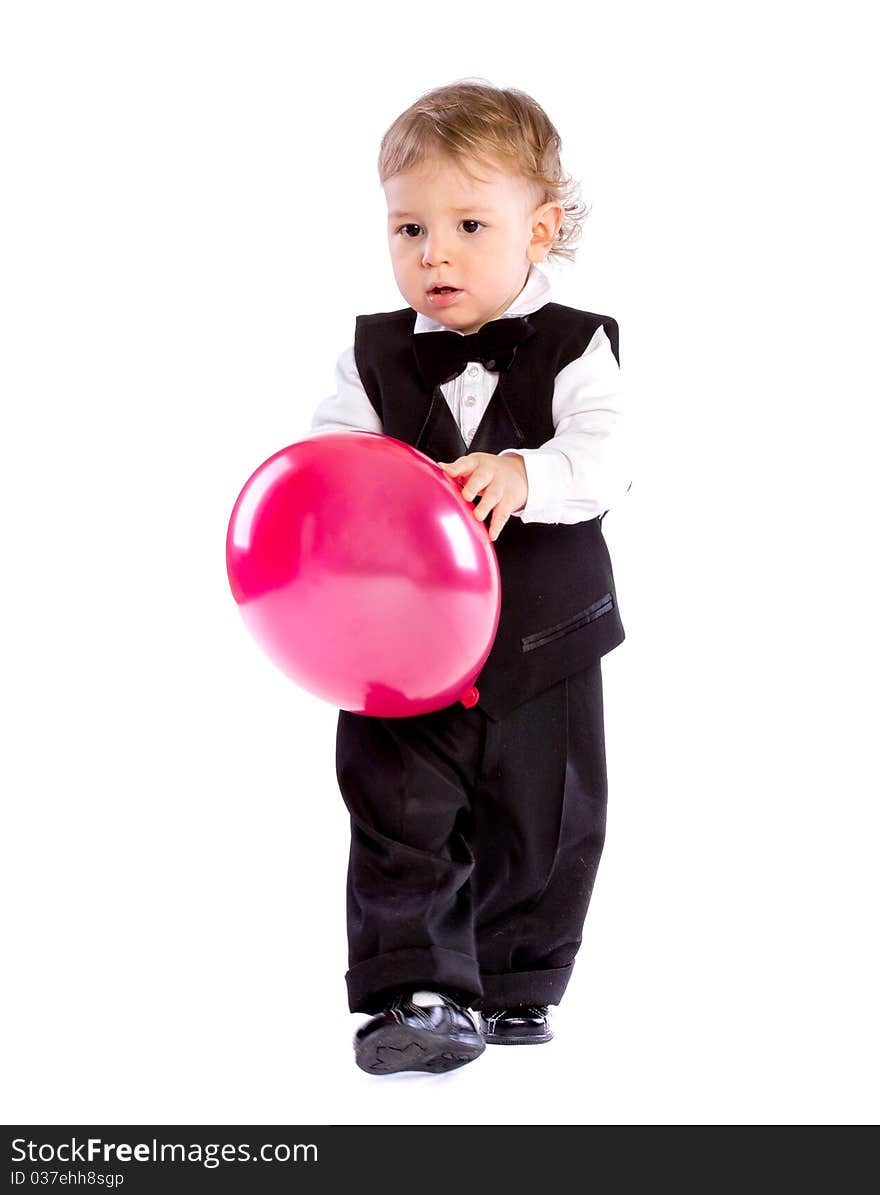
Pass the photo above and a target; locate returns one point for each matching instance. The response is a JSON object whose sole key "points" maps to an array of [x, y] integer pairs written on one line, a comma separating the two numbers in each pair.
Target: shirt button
{"points": [[472, 370], [469, 400], [470, 433]]}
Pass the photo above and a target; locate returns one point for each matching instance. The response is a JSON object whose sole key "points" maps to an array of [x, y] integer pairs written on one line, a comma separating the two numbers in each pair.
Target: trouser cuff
{"points": [[524, 987], [370, 982]]}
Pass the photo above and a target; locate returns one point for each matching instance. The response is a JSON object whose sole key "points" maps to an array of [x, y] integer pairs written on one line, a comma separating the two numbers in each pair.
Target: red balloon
{"points": [[364, 575]]}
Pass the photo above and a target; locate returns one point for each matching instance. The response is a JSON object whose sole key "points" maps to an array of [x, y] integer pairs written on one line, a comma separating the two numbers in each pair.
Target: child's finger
{"points": [[500, 515], [497, 526]]}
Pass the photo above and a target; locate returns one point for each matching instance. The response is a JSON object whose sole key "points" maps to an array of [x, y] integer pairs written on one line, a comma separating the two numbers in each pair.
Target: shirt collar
{"points": [[533, 295]]}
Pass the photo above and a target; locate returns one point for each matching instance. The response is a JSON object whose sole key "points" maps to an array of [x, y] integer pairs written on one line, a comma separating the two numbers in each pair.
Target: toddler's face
{"points": [[480, 237]]}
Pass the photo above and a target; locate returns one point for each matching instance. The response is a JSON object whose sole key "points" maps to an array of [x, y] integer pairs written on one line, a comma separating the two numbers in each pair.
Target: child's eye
{"points": [[404, 227], [477, 222]]}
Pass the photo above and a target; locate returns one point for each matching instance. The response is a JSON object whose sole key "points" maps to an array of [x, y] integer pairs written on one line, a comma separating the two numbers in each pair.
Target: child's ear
{"points": [[546, 223]]}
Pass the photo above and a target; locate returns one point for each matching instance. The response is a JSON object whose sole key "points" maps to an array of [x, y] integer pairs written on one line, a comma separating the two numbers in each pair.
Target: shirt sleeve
{"points": [[349, 409], [585, 468]]}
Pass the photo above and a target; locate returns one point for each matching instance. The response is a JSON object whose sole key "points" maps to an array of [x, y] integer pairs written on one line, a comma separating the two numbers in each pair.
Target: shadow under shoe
{"points": [[521, 1026], [411, 1037]]}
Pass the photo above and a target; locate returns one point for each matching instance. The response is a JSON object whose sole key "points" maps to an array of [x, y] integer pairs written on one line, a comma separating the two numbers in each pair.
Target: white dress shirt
{"points": [[578, 474]]}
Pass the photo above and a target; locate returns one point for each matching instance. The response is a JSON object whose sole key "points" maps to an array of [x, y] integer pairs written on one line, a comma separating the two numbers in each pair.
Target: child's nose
{"points": [[435, 252]]}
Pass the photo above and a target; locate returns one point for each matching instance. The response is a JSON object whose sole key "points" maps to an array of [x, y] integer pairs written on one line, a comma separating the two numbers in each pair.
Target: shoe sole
{"points": [[396, 1048], [534, 1040]]}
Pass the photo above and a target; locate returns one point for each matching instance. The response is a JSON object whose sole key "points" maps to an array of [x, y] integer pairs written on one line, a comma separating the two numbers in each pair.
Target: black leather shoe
{"points": [[413, 1037], [521, 1026]]}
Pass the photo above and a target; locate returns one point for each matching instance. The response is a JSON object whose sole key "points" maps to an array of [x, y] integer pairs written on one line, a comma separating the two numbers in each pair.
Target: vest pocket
{"points": [[602, 606]]}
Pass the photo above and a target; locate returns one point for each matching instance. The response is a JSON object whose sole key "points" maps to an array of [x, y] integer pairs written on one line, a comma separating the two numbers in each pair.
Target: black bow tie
{"points": [[441, 356]]}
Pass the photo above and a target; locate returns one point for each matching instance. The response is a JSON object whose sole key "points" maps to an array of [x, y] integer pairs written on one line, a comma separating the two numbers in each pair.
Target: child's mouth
{"points": [[443, 295]]}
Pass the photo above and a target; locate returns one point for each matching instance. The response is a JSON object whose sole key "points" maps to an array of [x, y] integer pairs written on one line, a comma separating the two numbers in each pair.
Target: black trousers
{"points": [[474, 846]]}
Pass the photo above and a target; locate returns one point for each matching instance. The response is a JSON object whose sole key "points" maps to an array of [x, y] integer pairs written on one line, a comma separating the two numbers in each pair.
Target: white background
{"points": [[191, 221]]}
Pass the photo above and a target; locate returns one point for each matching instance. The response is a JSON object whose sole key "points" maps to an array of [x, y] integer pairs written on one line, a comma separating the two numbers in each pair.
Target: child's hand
{"points": [[501, 482]]}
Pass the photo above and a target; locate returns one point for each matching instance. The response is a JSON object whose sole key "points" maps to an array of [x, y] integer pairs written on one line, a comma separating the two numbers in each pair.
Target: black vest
{"points": [[558, 603]]}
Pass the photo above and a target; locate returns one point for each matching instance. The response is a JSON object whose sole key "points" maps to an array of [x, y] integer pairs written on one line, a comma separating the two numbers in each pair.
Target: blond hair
{"points": [[473, 121]]}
